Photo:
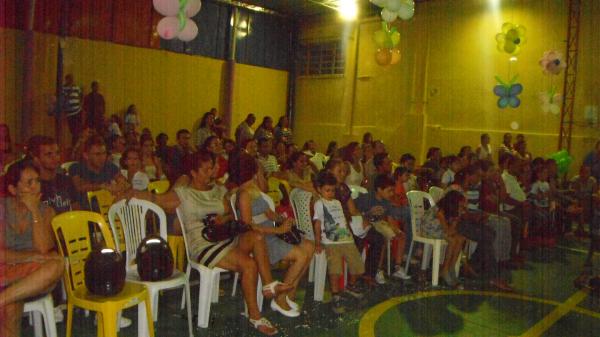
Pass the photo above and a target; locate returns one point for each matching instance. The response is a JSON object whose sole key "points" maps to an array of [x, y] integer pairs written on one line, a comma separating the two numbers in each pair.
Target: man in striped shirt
{"points": [[72, 96]]}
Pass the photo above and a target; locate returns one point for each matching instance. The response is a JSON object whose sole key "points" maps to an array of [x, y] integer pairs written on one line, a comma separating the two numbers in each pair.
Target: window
{"points": [[321, 58]]}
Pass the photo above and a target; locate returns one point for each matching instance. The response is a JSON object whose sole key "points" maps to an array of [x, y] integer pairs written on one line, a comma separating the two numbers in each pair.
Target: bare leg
{"points": [[298, 260], [35, 283], [400, 246], [308, 248], [254, 242], [10, 319]]}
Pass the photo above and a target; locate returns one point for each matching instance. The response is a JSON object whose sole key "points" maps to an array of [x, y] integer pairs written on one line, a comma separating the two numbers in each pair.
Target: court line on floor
{"points": [[367, 323], [547, 322]]}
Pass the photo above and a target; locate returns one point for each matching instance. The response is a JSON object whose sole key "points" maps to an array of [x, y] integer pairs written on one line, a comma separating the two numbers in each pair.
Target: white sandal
{"points": [[263, 322], [292, 304], [271, 287]]}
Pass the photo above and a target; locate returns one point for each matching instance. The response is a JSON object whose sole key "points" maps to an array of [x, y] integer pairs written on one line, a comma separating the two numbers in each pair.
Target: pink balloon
{"points": [[166, 7], [168, 27], [192, 8], [189, 32]]}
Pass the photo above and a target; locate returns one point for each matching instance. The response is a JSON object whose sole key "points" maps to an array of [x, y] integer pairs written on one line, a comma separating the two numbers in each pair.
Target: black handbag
{"points": [[293, 237], [213, 232]]}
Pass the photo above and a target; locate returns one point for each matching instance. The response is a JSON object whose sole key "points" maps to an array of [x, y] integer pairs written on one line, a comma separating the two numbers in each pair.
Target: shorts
{"points": [[10, 273], [348, 252], [385, 229]]}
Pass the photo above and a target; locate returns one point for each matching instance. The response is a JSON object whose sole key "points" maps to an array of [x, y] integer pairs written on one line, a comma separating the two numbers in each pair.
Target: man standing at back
{"points": [[72, 96], [94, 107]]}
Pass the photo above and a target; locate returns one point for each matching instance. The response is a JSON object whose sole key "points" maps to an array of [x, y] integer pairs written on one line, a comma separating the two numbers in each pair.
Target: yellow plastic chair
{"points": [[159, 186], [100, 202], [273, 189], [74, 243], [177, 246]]}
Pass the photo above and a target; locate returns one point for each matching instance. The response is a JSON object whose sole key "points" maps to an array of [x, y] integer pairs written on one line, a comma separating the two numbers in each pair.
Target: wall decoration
{"points": [[563, 160], [387, 40], [511, 39], [552, 62], [550, 101], [177, 22], [508, 92], [392, 9]]}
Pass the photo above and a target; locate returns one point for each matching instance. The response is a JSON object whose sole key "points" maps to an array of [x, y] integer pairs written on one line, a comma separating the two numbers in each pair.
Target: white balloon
{"points": [[514, 126], [166, 7], [393, 5], [168, 27], [406, 12], [388, 16], [192, 8], [189, 32], [379, 3]]}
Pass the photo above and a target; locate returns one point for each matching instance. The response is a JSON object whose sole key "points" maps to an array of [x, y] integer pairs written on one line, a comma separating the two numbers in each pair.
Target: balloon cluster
{"points": [[563, 160], [511, 39], [552, 62], [392, 9], [387, 40], [550, 101], [177, 22]]}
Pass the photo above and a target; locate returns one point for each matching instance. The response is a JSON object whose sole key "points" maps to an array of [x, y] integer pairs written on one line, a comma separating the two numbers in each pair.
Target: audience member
{"points": [[151, 163], [206, 128], [94, 106], [282, 131], [265, 129], [72, 97], [244, 131], [352, 155], [132, 119], [131, 169], [484, 150]]}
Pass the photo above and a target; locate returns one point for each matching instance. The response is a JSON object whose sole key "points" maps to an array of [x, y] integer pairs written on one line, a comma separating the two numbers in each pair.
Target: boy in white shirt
{"points": [[454, 163], [336, 239]]}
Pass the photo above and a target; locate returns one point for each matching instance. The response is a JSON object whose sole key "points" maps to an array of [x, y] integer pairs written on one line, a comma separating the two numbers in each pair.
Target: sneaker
{"points": [[58, 315], [399, 273], [354, 291], [380, 277], [336, 305]]}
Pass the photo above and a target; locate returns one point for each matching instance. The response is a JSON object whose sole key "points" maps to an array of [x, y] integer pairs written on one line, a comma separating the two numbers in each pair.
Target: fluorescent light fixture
{"points": [[513, 59], [348, 9]]}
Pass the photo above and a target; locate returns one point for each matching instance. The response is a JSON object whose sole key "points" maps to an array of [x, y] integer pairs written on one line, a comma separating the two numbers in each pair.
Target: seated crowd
{"points": [[504, 207]]}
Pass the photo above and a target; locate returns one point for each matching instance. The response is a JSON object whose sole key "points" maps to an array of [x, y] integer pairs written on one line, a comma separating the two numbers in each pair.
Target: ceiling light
{"points": [[348, 9]]}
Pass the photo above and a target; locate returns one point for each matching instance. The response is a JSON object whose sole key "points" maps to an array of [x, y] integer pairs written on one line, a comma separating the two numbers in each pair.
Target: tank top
{"points": [[13, 239], [355, 177]]}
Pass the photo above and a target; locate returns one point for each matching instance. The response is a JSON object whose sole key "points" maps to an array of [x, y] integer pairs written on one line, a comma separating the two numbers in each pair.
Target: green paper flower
{"points": [[511, 39]]}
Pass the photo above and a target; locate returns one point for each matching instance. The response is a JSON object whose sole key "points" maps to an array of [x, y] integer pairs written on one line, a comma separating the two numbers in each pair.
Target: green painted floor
{"points": [[548, 275]]}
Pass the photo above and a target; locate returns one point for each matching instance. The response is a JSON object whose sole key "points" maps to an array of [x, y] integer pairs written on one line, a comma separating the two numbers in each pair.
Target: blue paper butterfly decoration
{"points": [[508, 92]]}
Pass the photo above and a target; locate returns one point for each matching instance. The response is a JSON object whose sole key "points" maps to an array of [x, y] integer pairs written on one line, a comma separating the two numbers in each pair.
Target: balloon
{"points": [[189, 32], [154, 259], [406, 12], [514, 126], [393, 5], [388, 16], [395, 37], [168, 27], [192, 8], [383, 56], [395, 56], [379, 37], [104, 272], [563, 160], [379, 3], [166, 7]]}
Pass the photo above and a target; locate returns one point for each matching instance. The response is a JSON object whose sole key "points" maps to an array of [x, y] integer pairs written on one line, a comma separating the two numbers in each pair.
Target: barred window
{"points": [[321, 58]]}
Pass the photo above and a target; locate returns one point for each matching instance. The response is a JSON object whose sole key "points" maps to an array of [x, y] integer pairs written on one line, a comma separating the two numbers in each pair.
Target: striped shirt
{"points": [[72, 100], [472, 195]]}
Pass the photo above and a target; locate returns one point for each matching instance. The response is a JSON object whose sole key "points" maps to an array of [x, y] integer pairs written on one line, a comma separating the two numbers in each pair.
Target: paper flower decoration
{"points": [[392, 9], [176, 23], [552, 62], [550, 101], [511, 39], [508, 92]]}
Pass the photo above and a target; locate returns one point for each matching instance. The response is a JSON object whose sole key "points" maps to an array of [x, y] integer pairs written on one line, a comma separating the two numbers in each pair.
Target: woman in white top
{"points": [[484, 151], [131, 168], [246, 253], [352, 158], [150, 162]]}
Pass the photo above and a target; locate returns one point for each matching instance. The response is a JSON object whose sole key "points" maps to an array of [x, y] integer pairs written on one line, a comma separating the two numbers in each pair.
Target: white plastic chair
{"points": [[317, 272], [132, 215], [436, 193], [417, 210], [209, 280], [42, 308]]}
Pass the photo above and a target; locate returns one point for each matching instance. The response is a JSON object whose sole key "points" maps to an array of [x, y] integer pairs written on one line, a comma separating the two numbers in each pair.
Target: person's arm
{"points": [[82, 185], [168, 201], [159, 170], [43, 236]]}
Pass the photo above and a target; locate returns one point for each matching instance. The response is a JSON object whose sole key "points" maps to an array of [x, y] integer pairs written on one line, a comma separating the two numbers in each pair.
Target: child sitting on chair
{"points": [[336, 240], [542, 206]]}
